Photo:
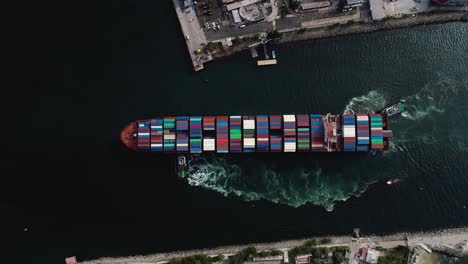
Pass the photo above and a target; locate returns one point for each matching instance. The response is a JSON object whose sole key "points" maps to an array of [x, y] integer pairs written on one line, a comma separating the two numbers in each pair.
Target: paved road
{"points": [[225, 32], [193, 33]]}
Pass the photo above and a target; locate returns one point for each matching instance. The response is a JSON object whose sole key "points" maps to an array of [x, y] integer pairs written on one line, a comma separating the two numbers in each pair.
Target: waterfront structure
{"points": [[314, 4], [369, 255], [450, 2], [261, 133], [353, 3], [304, 259]]}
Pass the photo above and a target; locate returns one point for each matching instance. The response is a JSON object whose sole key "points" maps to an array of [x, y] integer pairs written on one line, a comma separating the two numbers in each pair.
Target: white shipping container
{"points": [[249, 124], [362, 118], [156, 145], [209, 144], [289, 149], [262, 139], [289, 118], [249, 141], [169, 136], [376, 128], [365, 138], [316, 145], [143, 134]]}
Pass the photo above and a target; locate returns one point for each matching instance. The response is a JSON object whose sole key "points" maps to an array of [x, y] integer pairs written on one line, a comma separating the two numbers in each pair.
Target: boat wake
{"points": [[369, 103], [323, 180], [291, 185]]}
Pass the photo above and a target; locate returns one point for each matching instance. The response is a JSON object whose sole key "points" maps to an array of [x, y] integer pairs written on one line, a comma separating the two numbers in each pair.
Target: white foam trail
{"points": [[297, 186], [293, 188], [369, 103]]}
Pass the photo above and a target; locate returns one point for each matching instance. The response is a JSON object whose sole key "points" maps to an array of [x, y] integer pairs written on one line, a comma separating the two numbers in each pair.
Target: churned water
{"points": [[80, 72], [321, 181]]}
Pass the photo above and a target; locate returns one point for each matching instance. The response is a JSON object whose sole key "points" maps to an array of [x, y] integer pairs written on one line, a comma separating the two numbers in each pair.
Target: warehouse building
{"points": [[314, 4]]}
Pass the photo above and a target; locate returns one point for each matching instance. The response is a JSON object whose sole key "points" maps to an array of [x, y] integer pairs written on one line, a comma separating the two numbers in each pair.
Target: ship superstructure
{"points": [[261, 133]]}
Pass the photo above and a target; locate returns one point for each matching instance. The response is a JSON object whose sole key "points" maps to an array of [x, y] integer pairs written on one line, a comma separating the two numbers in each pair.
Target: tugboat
{"points": [[394, 109], [181, 166]]}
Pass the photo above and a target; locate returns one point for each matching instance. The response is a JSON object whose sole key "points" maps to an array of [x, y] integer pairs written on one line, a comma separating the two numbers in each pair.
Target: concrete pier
{"points": [[266, 62], [193, 34]]}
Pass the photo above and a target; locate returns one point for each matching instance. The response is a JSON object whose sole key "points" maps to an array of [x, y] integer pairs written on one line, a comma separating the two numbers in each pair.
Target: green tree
{"points": [[246, 254], [311, 243]]}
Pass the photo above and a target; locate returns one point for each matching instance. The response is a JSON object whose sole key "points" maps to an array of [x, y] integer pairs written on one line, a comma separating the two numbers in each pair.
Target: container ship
{"points": [[261, 133]]}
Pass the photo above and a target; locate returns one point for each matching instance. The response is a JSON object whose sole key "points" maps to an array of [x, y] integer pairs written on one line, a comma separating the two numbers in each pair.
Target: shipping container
{"points": [[317, 133], [275, 122], [235, 134], [276, 134], [276, 143], [289, 133], [143, 135], [303, 133], [208, 144], [262, 133], [363, 135], [157, 134], [376, 132], [249, 133], [209, 123], [195, 134], [222, 134], [169, 134], [209, 133], [349, 132], [182, 134]]}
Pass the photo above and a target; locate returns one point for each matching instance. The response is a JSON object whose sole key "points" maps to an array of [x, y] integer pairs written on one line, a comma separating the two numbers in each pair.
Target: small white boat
{"points": [[393, 181], [273, 54]]}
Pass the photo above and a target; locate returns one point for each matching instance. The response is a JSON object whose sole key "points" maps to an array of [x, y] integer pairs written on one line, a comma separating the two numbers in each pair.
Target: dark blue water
{"points": [[78, 72]]}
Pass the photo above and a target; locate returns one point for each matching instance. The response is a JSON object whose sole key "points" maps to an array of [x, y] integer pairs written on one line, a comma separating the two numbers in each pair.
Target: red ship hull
{"points": [[128, 136]]}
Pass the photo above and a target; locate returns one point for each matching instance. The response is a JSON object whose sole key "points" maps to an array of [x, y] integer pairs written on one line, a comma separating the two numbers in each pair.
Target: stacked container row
{"points": [[289, 133], [169, 134], [349, 132], [276, 138], [235, 134], [182, 138], [209, 140], [157, 134], [303, 133], [262, 133], [362, 121], [143, 135], [195, 134], [376, 131], [249, 133], [209, 123], [222, 134], [317, 133]]}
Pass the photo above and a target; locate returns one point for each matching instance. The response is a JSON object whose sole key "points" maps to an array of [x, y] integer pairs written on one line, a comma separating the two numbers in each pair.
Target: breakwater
{"points": [[437, 239]]}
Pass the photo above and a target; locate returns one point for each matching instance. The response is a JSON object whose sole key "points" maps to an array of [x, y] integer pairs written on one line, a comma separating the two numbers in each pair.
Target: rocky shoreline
{"points": [[434, 17], [442, 236]]}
